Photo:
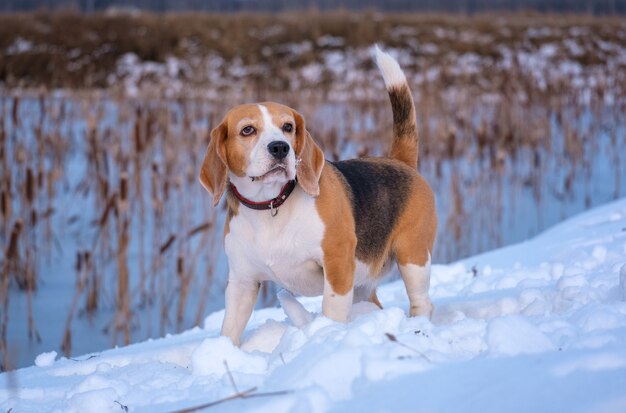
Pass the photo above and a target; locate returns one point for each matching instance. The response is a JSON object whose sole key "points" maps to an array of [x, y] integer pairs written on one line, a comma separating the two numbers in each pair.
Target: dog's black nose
{"points": [[278, 149]]}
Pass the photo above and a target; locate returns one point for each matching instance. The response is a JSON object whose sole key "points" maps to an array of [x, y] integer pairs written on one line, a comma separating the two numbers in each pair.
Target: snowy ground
{"points": [[538, 326]]}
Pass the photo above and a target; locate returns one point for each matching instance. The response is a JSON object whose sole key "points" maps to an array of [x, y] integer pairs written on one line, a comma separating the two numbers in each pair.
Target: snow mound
{"points": [[538, 326], [45, 359]]}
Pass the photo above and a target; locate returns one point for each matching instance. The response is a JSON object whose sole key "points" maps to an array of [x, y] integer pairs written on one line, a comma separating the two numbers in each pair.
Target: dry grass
{"points": [[141, 172], [74, 50], [128, 186]]}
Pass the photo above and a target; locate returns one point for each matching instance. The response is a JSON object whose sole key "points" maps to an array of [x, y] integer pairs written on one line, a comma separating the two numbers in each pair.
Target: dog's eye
{"points": [[248, 130], [288, 127]]}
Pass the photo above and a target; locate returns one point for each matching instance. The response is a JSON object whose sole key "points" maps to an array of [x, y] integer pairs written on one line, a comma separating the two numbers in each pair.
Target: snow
{"points": [[45, 359], [330, 41], [537, 326], [544, 55], [622, 278], [513, 335], [19, 46], [133, 73]]}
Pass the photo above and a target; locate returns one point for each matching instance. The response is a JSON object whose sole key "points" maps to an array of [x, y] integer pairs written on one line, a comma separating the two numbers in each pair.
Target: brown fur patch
{"points": [[214, 173], [237, 147], [339, 242], [312, 162], [414, 235], [233, 210]]}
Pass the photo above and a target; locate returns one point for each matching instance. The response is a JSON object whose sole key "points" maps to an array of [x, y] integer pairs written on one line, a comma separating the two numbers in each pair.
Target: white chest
{"points": [[285, 248]]}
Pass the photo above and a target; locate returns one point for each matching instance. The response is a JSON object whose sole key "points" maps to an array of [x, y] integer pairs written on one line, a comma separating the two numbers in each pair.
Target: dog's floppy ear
{"points": [[214, 174], [309, 158]]}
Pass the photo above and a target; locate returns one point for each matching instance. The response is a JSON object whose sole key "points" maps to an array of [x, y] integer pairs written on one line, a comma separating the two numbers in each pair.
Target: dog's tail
{"points": [[404, 146]]}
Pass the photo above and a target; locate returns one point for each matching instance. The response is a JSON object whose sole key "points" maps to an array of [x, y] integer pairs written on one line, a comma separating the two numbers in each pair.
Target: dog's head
{"points": [[261, 146]]}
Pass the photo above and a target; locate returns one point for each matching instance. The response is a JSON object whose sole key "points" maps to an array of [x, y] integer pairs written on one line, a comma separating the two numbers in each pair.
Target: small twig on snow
{"points": [[246, 394], [93, 356], [394, 339], [123, 407], [230, 377]]}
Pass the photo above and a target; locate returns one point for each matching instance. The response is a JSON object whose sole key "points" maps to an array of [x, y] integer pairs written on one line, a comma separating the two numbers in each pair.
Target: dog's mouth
{"points": [[275, 170]]}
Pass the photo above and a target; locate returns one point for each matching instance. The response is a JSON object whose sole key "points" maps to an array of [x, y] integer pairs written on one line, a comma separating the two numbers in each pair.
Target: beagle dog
{"points": [[318, 227]]}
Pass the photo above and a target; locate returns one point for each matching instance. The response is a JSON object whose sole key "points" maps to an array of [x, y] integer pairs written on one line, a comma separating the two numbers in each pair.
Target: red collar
{"points": [[264, 205]]}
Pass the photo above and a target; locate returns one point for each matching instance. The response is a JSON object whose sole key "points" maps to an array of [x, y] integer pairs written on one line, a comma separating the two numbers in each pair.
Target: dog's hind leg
{"points": [[412, 245], [412, 248], [417, 282]]}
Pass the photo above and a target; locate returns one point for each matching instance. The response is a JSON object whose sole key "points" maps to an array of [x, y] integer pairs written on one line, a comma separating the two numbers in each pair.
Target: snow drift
{"points": [[538, 326]]}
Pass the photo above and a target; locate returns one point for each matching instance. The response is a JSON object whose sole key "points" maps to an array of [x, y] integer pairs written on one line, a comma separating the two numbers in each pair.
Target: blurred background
{"points": [[106, 236]]}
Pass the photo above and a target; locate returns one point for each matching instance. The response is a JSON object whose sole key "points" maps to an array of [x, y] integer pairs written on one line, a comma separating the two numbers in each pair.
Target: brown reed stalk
{"points": [[5, 205], [92, 284], [12, 254], [79, 286], [10, 264], [122, 304], [208, 243], [156, 290], [30, 273], [138, 148], [33, 333], [14, 112], [184, 280]]}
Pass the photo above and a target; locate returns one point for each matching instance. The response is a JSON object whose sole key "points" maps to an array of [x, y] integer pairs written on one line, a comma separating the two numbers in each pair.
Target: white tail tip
{"points": [[389, 67]]}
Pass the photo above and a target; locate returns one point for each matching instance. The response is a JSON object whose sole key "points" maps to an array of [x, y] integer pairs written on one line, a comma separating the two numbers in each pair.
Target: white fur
{"points": [[389, 67], [417, 282], [362, 273], [365, 282], [285, 249], [241, 294], [336, 306]]}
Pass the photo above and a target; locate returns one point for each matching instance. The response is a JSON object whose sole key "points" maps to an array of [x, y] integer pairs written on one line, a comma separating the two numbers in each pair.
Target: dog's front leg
{"points": [[338, 288], [241, 296]]}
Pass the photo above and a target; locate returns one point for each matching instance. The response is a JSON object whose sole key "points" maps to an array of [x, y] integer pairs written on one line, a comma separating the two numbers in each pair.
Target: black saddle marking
{"points": [[379, 191]]}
